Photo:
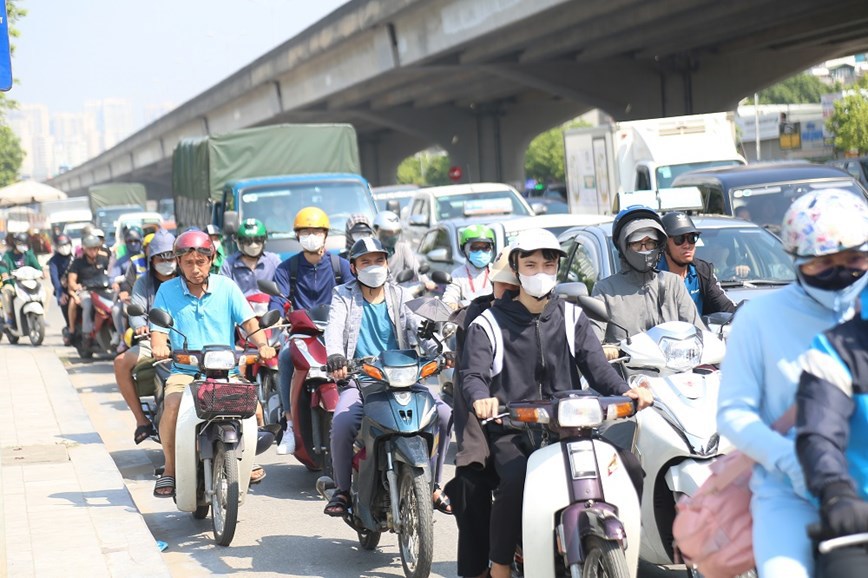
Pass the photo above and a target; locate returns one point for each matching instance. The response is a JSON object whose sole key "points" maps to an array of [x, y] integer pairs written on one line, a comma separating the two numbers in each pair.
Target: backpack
{"points": [[336, 268], [491, 327]]}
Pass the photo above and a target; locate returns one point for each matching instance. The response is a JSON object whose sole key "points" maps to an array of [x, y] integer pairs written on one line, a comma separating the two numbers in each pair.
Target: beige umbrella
{"points": [[26, 192]]}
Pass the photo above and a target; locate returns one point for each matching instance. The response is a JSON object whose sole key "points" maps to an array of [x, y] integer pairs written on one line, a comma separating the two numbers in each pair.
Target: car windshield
{"points": [[384, 199], [107, 217], [666, 174], [504, 202], [766, 204], [277, 207]]}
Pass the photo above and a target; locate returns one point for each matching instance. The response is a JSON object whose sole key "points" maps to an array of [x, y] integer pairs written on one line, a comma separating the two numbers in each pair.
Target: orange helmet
{"points": [[311, 218]]}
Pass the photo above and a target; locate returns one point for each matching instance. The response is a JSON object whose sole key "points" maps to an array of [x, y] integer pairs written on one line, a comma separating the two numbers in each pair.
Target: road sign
{"points": [[455, 173], [5, 56], [790, 135]]}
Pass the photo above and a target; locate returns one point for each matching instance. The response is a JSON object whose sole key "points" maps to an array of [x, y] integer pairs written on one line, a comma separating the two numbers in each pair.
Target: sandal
{"points": [[338, 505], [257, 474], [441, 501], [165, 482], [143, 432]]}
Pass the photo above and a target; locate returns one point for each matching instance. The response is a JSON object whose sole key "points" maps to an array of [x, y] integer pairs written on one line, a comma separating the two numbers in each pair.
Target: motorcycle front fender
{"points": [[579, 522], [328, 396], [33, 307], [413, 451]]}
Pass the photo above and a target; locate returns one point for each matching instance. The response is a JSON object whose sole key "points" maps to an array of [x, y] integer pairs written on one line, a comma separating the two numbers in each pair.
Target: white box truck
{"points": [[639, 155]]}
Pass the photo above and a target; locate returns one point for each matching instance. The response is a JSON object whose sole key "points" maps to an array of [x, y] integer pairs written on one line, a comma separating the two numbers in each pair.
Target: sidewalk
{"points": [[64, 509]]}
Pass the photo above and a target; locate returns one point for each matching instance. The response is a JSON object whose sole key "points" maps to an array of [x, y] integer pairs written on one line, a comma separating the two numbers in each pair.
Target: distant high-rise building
{"points": [[30, 122], [113, 118]]}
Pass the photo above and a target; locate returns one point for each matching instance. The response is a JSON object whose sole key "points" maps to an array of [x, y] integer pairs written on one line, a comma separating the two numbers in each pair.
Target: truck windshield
{"points": [[277, 207], [666, 174]]}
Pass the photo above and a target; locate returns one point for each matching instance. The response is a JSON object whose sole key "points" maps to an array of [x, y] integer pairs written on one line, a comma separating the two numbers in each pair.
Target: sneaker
{"points": [[287, 444], [116, 339]]}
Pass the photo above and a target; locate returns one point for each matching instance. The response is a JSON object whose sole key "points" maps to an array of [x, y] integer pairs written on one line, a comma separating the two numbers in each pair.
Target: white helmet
{"points": [[500, 271], [387, 221], [531, 240], [825, 222]]}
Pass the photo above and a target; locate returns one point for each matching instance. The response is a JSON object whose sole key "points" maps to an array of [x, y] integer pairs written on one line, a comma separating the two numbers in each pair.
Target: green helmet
{"points": [[252, 229], [476, 234]]}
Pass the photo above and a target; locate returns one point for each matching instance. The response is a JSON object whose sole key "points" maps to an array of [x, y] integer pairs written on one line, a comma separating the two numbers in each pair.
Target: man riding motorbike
{"points": [[18, 255], [526, 320], [123, 253], [251, 262], [638, 297], [134, 268], [206, 308], [307, 280], [363, 321], [471, 280], [161, 268], [358, 226], [58, 265], [387, 227], [90, 268]]}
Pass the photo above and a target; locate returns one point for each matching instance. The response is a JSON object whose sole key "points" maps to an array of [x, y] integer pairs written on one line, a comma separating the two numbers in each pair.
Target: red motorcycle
{"points": [[264, 372], [103, 326], [313, 394]]}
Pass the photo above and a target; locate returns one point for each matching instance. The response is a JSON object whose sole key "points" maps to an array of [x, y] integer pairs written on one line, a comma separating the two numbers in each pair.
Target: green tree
{"points": [[849, 124], [544, 160], [799, 89], [437, 172], [436, 169]]}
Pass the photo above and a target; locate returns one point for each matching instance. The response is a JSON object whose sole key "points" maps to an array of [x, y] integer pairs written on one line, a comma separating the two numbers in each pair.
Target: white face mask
{"points": [[312, 243], [373, 276], [21, 248], [251, 249], [64, 250], [166, 268], [538, 285]]}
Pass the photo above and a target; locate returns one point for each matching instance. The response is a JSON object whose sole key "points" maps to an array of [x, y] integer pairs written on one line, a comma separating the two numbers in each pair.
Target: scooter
{"points": [[28, 308], [391, 476], [580, 511], [313, 393], [264, 372], [103, 332], [839, 557], [216, 436]]}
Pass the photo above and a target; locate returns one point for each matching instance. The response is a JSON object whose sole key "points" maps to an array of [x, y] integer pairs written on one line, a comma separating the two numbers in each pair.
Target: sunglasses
{"points": [[201, 250], [649, 244], [689, 238]]}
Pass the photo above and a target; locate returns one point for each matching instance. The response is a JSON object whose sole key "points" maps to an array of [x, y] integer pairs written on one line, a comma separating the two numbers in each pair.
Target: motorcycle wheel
{"points": [[268, 388], [416, 540], [224, 502], [36, 327], [368, 539], [201, 511], [604, 559]]}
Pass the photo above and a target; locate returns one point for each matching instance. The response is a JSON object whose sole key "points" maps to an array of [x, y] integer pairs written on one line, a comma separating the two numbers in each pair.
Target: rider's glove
{"points": [[842, 512], [426, 330], [335, 362], [449, 358]]}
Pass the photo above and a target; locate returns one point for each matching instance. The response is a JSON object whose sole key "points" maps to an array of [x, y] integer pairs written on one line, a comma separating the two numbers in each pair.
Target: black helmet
{"points": [[23, 238], [648, 217], [365, 246], [678, 223]]}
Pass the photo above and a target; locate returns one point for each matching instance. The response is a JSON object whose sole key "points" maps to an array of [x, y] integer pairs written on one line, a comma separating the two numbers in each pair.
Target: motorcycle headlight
{"points": [[219, 360], [401, 376], [581, 412], [681, 354]]}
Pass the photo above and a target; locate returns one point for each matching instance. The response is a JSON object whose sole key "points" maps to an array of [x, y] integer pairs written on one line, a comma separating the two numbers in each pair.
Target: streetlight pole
{"points": [[756, 124]]}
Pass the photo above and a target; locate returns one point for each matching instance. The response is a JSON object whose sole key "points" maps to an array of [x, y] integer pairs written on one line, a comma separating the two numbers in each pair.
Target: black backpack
{"points": [[336, 268]]}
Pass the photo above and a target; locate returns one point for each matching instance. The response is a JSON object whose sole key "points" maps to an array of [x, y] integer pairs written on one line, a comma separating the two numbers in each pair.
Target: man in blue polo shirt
{"points": [[251, 262], [205, 308], [307, 280]]}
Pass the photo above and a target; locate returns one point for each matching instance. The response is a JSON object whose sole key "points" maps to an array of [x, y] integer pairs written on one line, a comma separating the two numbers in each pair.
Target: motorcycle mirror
{"points": [[424, 267], [268, 287], [269, 318], [134, 310], [161, 318], [441, 277], [571, 291], [593, 308], [404, 276]]}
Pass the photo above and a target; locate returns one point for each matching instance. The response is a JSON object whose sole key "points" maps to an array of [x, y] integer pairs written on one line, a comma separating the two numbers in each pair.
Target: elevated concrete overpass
{"points": [[481, 78]]}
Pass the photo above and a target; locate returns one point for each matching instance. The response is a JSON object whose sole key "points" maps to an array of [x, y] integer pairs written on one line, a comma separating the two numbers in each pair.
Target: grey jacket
{"points": [[634, 302], [143, 294], [345, 319], [405, 258]]}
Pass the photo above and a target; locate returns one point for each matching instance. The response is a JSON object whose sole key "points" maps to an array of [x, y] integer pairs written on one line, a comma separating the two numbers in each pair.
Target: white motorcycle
{"points": [[28, 307]]}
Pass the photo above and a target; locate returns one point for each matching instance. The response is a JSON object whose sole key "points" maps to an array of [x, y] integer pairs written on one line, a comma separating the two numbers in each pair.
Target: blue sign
{"points": [[5, 56]]}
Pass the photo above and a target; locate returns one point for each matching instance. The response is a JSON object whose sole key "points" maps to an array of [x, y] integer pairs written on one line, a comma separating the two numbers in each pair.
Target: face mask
{"points": [[642, 261], [388, 241], [312, 243], [538, 285], [165, 268], [480, 259], [134, 247], [842, 300], [373, 276], [64, 250], [251, 249], [21, 248]]}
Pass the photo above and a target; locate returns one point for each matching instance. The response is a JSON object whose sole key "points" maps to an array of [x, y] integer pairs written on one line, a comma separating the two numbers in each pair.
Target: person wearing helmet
{"points": [[89, 270], [826, 232], [307, 280], [368, 316], [206, 308], [516, 326], [161, 267], [387, 228], [123, 253], [16, 256], [470, 280], [136, 266], [358, 226], [217, 239], [58, 265], [251, 262], [638, 297], [679, 257]]}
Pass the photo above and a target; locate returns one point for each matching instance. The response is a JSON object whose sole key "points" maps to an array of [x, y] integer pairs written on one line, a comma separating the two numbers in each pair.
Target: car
{"points": [[432, 205], [148, 221], [395, 198], [548, 199], [106, 218], [74, 231], [762, 192], [726, 242], [855, 167]]}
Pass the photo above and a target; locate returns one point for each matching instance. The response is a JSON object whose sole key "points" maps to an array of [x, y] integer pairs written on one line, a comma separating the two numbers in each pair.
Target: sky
{"points": [[149, 52]]}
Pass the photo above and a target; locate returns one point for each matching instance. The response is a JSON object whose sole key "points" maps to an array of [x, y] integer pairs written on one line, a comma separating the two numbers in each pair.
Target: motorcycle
{"points": [[214, 448], [841, 556], [391, 476], [28, 308], [264, 372], [580, 511], [103, 332]]}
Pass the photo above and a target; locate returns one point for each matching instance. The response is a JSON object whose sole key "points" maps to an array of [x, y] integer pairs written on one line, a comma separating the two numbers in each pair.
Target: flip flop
{"points": [[254, 478], [441, 502], [338, 505], [162, 483], [143, 432]]}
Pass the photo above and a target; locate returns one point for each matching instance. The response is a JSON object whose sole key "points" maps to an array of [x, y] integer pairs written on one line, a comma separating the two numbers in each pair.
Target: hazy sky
{"points": [[150, 51]]}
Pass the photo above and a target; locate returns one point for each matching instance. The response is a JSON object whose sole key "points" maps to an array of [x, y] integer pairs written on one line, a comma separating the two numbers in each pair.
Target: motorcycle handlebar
{"points": [[827, 543]]}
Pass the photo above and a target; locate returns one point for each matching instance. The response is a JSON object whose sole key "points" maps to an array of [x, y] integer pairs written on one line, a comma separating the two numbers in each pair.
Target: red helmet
{"points": [[198, 241]]}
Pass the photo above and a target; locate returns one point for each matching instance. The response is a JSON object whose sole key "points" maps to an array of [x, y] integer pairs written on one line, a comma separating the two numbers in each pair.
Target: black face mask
{"points": [[833, 279]]}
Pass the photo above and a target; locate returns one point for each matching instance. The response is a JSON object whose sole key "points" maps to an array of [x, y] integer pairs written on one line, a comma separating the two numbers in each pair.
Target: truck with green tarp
{"points": [[270, 173], [111, 200]]}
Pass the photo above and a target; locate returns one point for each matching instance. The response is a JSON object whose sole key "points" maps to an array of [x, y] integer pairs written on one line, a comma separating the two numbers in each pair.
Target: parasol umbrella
{"points": [[430, 308], [27, 192]]}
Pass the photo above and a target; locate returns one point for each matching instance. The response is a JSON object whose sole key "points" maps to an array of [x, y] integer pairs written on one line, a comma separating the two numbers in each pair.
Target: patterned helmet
{"points": [[825, 222]]}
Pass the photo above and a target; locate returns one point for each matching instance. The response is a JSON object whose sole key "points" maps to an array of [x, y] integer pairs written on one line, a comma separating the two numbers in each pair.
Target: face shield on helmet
{"points": [[387, 226]]}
